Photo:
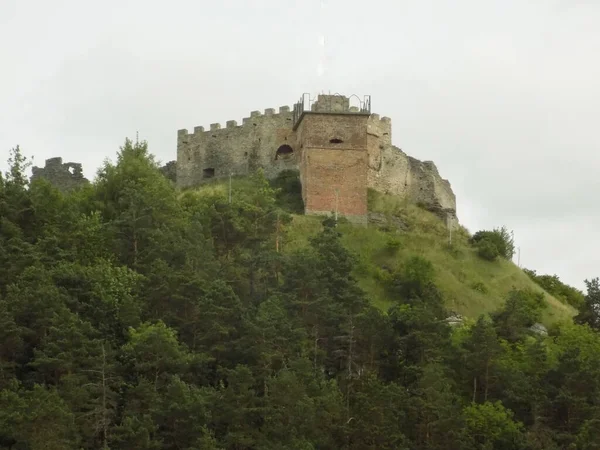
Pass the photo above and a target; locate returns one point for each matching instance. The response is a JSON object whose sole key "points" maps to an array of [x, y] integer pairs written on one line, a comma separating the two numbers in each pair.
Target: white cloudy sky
{"points": [[502, 94]]}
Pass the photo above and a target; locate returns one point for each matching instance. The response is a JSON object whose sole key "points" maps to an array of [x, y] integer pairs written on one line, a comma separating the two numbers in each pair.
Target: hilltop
{"points": [[137, 315], [398, 230]]}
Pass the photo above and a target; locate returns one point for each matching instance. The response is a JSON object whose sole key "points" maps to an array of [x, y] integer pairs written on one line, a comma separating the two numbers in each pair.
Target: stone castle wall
{"points": [[393, 171], [237, 149], [65, 177], [340, 151], [269, 141]]}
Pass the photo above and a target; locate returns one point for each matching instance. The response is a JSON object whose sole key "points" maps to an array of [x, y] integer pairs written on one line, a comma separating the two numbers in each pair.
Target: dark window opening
{"points": [[208, 173], [283, 152], [386, 134], [214, 135], [245, 153], [335, 141]]}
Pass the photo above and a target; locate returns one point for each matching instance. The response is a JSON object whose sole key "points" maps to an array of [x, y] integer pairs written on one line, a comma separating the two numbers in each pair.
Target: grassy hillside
{"points": [[470, 285]]}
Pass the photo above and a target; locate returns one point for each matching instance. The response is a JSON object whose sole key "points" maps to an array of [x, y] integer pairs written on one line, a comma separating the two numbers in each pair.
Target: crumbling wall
{"points": [[262, 141], [65, 177], [428, 188], [394, 172], [379, 138], [269, 141]]}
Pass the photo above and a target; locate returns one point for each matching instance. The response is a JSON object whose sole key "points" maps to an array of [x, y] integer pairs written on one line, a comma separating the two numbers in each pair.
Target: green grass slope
{"points": [[470, 285]]}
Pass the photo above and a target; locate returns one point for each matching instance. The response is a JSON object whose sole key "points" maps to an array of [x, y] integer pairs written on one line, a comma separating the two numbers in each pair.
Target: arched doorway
{"points": [[284, 152]]}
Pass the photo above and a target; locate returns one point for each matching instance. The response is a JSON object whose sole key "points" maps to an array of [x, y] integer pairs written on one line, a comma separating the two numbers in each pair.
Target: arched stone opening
{"points": [[284, 152]]}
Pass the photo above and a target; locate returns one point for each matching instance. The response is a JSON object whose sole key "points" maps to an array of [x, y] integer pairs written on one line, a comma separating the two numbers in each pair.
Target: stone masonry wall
{"points": [[269, 141], [394, 172], [64, 177], [237, 149]]}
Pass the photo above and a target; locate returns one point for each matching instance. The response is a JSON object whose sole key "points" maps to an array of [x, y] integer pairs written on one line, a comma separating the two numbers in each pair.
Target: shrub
{"points": [[414, 279], [393, 245], [553, 285], [487, 249], [289, 194], [479, 287], [522, 309], [499, 238], [453, 250]]}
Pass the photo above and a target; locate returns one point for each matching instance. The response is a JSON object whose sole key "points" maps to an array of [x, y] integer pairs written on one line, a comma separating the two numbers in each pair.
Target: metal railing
{"points": [[330, 103]]}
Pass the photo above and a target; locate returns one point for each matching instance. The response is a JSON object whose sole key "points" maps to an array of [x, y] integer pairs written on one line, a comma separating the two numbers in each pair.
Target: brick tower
{"points": [[331, 138]]}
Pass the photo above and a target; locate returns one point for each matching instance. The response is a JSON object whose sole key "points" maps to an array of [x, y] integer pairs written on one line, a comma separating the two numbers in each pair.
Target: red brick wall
{"points": [[327, 166]]}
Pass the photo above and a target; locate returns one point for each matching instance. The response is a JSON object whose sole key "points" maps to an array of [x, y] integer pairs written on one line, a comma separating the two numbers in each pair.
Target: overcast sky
{"points": [[504, 95]]}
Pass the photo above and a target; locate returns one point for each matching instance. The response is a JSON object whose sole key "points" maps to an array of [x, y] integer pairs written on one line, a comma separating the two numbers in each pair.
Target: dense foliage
{"points": [[494, 243], [133, 316], [562, 291]]}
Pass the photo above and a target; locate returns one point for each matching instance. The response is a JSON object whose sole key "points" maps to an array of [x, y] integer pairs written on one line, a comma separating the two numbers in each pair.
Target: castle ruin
{"points": [[339, 147], [65, 177]]}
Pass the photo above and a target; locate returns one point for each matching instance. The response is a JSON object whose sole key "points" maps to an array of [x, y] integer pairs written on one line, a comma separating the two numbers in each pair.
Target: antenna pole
{"points": [[277, 234], [336, 205], [512, 239]]}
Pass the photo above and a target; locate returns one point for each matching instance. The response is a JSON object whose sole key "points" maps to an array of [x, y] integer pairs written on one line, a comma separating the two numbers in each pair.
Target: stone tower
{"points": [[339, 150], [331, 138]]}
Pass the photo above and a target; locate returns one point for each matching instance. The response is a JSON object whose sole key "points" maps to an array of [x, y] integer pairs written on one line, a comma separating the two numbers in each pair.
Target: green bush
{"points": [[522, 309], [289, 191], [499, 238], [553, 285], [487, 249], [393, 245], [479, 287], [455, 251], [414, 278]]}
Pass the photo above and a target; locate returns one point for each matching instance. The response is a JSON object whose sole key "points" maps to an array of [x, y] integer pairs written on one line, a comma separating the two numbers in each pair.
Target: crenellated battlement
{"points": [[313, 136], [380, 127], [376, 118], [284, 112]]}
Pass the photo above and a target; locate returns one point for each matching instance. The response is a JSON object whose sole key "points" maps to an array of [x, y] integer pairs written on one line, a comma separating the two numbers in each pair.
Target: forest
{"points": [[137, 316]]}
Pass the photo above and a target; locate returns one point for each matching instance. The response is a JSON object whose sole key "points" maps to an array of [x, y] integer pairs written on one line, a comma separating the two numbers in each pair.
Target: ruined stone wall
{"points": [[363, 157], [379, 138], [169, 170], [333, 164], [427, 187], [393, 171], [65, 177], [237, 149]]}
